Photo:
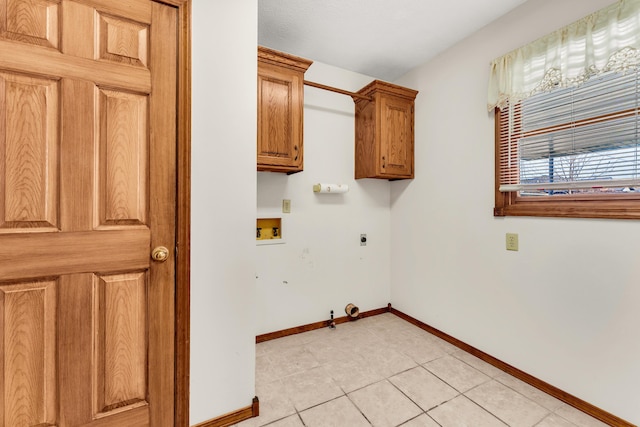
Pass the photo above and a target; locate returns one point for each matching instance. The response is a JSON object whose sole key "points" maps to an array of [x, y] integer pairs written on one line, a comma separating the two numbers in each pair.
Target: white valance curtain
{"points": [[607, 40]]}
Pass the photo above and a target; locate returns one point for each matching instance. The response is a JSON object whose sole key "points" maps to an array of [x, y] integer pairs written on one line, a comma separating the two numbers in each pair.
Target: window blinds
{"points": [[572, 140]]}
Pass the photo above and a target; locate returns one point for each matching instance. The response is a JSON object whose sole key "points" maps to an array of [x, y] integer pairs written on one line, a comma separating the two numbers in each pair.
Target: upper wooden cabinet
{"points": [[384, 131], [280, 110]]}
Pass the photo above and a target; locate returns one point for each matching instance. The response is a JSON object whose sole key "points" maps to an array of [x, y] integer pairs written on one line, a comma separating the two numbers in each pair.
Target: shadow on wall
{"points": [[397, 189], [271, 187], [370, 188]]}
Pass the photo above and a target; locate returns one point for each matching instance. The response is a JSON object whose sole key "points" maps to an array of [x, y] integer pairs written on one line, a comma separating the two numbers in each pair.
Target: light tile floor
{"points": [[383, 371]]}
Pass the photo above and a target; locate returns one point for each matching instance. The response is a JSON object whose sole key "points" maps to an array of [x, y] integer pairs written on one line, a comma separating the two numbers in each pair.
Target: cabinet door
{"points": [[279, 119], [396, 138]]}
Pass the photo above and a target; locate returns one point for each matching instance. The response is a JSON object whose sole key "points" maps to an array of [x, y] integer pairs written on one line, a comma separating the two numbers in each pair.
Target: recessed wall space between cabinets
{"points": [[322, 265]]}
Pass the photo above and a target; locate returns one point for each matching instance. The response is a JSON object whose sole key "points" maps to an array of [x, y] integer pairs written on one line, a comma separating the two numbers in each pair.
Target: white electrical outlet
{"points": [[286, 206]]}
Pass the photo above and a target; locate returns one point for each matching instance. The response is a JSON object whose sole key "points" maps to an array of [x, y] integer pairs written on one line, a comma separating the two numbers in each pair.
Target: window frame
{"points": [[610, 206]]}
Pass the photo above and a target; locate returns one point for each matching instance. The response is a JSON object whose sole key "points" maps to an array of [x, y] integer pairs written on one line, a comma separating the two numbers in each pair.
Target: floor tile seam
{"points": [[326, 369], [571, 422], [348, 392], [406, 370], [288, 398], [426, 411], [301, 349], [417, 416], [442, 403], [405, 395], [486, 410], [494, 378], [365, 386], [356, 357], [450, 385], [415, 359], [500, 419], [553, 413], [505, 422], [469, 364], [419, 366], [459, 393], [525, 396], [359, 410], [286, 346], [548, 412], [300, 417], [282, 378], [320, 404], [278, 420], [380, 333]]}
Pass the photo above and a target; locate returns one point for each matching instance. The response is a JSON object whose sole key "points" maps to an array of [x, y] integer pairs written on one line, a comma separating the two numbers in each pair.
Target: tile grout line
{"points": [[359, 410], [380, 334], [490, 378]]}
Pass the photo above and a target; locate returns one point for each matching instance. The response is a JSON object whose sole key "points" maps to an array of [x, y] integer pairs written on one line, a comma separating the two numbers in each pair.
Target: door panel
{"points": [[396, 129], [27, 335], [123, 41], [123, 155], [120, 359], [276, 111], [87, 189], [279, 123], [34, 22], [29, 147]]}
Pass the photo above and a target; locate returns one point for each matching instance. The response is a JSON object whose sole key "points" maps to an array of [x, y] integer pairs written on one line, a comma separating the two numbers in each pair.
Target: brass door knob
{"points": [[160, 254]]}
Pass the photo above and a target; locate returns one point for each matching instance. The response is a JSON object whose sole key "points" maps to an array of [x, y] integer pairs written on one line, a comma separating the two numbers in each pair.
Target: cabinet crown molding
{"points": [[282, 59], [378, 86]]}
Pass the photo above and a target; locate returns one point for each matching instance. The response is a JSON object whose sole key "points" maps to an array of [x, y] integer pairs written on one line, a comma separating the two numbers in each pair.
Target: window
{"points": [[572, 151], [567, 112]]}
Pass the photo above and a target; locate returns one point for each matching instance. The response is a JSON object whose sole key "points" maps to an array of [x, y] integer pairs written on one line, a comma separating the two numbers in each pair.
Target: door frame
{"points": [[183, 213]]}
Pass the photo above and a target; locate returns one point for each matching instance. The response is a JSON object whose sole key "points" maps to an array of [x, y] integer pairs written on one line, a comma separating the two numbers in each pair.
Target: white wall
{"points": [[222, 239], [322, 266], [566, 307]]}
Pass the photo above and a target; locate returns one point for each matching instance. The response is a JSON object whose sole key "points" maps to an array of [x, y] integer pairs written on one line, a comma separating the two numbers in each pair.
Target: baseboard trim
{"points": [[569, 399], [234, 417], [318, 325]]}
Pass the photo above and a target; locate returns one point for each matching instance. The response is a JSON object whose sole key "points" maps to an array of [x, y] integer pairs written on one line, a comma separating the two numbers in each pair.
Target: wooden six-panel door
{"points": [[87, 190]]}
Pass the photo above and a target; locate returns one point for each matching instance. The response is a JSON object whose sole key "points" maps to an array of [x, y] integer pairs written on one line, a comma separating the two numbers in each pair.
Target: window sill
{"points": [[620, 207]]}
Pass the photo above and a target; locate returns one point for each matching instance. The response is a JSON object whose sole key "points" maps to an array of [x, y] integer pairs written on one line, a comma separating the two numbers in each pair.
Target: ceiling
{"points": [[380, 38]]}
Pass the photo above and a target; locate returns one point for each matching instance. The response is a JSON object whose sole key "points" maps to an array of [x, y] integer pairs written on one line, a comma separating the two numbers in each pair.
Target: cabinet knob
{"points": [[384, 164], [295, 147]]}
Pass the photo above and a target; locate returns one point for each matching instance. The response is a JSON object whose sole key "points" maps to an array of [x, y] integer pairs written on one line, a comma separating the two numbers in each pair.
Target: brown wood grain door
{"points": [[396, 131], [87, 190], [280, 107]]}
